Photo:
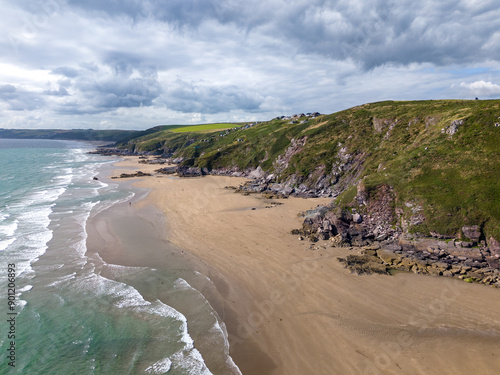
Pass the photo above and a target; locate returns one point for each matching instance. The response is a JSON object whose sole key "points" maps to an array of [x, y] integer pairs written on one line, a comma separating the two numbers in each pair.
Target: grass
{"points": [[454, 178], [205, 127]]}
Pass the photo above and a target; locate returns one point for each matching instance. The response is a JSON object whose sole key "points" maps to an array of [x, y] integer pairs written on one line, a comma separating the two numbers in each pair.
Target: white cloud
{"points": [[139, 63], [482, 88]]}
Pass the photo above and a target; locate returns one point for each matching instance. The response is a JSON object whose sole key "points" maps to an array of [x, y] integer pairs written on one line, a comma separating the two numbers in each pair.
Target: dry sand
{"points": [[291, 310]]}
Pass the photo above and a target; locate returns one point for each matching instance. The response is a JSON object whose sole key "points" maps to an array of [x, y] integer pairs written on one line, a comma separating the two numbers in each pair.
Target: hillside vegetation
{"points": [[439, 160], [73, 134]]}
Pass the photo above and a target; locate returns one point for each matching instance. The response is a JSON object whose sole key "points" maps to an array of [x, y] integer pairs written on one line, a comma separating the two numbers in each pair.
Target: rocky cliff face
{"points": [[385, 246]]}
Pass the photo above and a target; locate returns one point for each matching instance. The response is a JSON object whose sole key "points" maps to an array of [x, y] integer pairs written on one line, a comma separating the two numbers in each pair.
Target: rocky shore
{"points": [[286, 308], [382, 248], [371, 225]]}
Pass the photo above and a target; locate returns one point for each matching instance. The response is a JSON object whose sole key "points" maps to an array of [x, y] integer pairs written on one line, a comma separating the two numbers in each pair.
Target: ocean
{"points": [[64, 310]]}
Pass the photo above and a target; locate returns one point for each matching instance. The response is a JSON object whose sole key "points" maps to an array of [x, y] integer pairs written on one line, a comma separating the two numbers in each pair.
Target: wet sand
{"points": [[290, 309]]}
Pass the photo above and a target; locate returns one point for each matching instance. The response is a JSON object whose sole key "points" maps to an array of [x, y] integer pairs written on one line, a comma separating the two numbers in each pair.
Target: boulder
{"points": [[364, 264], [494, 246], [406, 264], [189, 172], [494, 263], [257, 173], [391, 246], [357, 218], [433, 271], [168, 170], [442, 266], [472, 232]]}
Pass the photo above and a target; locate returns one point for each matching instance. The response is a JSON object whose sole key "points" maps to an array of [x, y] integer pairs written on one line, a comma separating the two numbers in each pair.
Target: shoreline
{"points": [[118, 232], [292, 310]]}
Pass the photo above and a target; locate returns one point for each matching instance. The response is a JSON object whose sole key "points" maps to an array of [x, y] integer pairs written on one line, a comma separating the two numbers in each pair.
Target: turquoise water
{"points": [[69, 318]]}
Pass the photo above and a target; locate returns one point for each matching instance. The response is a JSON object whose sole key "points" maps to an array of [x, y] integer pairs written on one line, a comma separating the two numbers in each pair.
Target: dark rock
{"points": [[323, 236], [312, 238], [364, 264], [387, 245], [494, 263], [136, 174], [439, 236], [494, 246], [189, 172], [472, 232], [167, 170], [357, 218]]}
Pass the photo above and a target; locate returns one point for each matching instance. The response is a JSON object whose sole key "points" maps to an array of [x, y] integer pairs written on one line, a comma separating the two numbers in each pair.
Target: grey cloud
{"points": [[321, 54], [7, 91], [123, 62], [20, 100], [207, 99], [179, 12], [131, 8], [115, 93], [371, 33], [66, 72], [385, 32], [60, 92], [91, 66], [102, 89]]}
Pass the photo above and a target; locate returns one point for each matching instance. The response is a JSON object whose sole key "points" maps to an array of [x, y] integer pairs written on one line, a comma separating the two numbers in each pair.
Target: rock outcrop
{"points": [[426, 257], [129, 175], [384, 247]]}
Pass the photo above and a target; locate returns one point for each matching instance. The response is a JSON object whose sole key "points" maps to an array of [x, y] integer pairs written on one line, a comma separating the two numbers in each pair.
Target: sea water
{"points": [[71, 313]]}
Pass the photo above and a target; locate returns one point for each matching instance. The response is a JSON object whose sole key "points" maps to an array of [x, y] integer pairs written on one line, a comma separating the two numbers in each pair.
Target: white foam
{"points": [[36, 216], [127, 297], [80, 155], [42, 197], [20, 304], [218, 328], [160, 367], [6, 243], [104, 205], [63, 279], [119, 271], [27, 288], [8, 229], [183, 285], [191, 362], [64, 179]]}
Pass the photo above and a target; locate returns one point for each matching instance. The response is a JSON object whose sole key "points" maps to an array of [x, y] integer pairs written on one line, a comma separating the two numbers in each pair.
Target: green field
{"points": [[206, 127]]}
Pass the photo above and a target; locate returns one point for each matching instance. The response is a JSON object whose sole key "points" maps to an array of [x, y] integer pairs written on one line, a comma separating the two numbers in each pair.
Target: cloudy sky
{"points": [[133, 64]]}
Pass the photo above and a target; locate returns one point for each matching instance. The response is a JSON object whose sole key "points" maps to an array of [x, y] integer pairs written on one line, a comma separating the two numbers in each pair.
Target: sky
{"points": [[134, 64]]}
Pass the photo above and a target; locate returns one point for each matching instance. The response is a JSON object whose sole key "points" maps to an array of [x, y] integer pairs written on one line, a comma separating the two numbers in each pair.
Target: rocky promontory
{"points": [[383, 247]]}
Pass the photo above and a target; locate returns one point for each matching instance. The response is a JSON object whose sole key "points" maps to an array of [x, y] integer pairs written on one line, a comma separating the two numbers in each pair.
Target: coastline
{"points": [[293, 310]]}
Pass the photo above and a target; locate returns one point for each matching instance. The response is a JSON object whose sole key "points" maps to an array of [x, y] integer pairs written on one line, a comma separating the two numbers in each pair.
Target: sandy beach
{"points": [[291, 308]]}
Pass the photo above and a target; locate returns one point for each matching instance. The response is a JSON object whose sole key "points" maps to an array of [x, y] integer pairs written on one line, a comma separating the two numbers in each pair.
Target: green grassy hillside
{"points": [[440, 158], [205, 127]]}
